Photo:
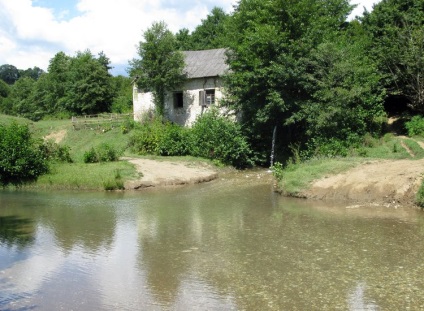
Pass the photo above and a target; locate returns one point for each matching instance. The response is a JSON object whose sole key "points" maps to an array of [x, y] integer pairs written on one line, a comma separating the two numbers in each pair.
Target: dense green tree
{"points": [[346, 96], [9, 73], [21, 98], [4, 94], [396, 30], [57, 80], [160, 66], [88, 85], [269, 42], [21, 159], [4, 89], [34, 73], [210, 34], [183, 38], [123, 99]]}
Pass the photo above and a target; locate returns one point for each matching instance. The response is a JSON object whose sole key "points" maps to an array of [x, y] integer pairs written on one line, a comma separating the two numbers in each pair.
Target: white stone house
{"points": [[202, 90]]}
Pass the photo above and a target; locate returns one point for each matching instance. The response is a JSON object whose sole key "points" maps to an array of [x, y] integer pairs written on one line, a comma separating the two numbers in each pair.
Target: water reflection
{"points": [[207, 247], [16, 231]]}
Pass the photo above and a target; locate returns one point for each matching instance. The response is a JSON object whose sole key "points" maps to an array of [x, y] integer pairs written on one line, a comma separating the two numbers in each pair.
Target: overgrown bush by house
{"points": [[212, 137], [216, 137]]}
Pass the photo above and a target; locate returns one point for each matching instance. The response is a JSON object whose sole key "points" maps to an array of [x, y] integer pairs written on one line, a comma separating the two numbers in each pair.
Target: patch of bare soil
{"points": [[57, 137], [387, 182], [168, 173]]}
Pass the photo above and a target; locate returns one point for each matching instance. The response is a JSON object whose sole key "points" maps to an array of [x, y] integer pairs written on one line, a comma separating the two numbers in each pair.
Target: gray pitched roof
{"points": [[206, 63]]}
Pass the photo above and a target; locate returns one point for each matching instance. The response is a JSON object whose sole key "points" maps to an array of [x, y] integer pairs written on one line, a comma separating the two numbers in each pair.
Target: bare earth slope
{"points": [[379, 182], [168, 173]]}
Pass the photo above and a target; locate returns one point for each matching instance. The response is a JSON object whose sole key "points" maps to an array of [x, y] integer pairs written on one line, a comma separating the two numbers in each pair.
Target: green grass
{"points": [[297, 177], [6, 120], [415, 148], [80, 176]]}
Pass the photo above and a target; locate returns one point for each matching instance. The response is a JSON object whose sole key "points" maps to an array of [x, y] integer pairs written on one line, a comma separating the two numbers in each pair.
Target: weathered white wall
{"points": [[191, 109], [142, 103]]}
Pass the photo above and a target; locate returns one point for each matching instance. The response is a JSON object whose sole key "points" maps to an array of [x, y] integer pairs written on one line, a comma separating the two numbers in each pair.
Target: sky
{"points": [[33, 31]]}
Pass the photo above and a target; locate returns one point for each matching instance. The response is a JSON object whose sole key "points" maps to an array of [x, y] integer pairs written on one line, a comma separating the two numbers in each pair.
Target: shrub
{"points": [[415, 127], [216, 137], [159, 137], [22, 160], [115, 184], [420, 196], [90, 156], [103, 153], [106, 153], [56, 152], [277, 171], [212, 136]]}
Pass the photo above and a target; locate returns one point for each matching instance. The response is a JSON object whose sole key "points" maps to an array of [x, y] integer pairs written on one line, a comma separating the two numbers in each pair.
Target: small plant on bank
{"points": [[103, 153], [55, 152], [116, 183], [277, 171], [420, 196]]}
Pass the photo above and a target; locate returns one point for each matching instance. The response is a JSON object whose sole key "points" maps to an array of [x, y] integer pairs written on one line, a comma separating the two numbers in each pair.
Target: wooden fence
{"points": [[100, 121]]}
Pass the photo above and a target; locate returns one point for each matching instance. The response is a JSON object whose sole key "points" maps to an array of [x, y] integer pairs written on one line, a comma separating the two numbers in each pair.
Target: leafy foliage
{"points": [[270, 41], [420, 196], [218, 138], [415, 127], [160, 67], [212, 136], [396, 30], [210, 34], [346, 97], [159, 137], [21, 159], [56, 152], [89, 89], [103, 153]]}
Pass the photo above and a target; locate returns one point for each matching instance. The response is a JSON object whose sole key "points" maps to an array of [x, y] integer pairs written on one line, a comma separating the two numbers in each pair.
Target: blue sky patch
{"points": [[63, 9]]}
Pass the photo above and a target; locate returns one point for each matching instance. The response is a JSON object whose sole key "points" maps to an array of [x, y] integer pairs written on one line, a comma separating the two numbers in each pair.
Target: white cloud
{"points": [[30, 35], [361, 4]]}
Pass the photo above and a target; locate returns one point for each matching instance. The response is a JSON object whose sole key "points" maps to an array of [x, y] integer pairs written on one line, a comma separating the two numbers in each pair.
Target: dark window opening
{"points": [[210, 97], [178, 100]]}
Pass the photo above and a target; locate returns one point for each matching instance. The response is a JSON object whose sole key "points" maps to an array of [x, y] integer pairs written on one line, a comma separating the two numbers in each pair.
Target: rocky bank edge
{"points": [[383, 182]]}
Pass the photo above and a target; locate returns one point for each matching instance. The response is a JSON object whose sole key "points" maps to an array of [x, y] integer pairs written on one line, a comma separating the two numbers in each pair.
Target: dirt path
{"points": [[57, 137], [157, 173], [386, 182]]}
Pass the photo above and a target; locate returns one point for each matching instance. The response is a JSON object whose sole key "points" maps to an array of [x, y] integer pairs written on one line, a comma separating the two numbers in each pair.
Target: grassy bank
{"points": [[79, 175], [295, 177]]}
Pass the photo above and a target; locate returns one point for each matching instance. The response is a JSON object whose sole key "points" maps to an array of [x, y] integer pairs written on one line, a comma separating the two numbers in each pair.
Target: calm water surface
{"points": [[225, 245]]}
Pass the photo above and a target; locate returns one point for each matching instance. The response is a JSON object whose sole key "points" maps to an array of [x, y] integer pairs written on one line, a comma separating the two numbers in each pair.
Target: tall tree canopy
{"points": [[210, 34], [396, 28], [160, 67], [9, 73], [88, 88], [270, 41]]}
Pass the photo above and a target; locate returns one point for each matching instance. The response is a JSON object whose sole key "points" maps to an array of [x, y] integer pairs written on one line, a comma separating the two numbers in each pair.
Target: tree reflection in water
{"points": [[16, 231]]}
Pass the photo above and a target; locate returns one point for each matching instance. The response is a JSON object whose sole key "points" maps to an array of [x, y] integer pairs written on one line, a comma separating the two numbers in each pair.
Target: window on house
{"points": [[178, 100], [207, 97], [210, 97]]}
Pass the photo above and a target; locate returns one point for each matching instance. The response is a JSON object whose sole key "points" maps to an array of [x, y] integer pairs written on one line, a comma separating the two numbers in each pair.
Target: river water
{"points": [[231, 244]]}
